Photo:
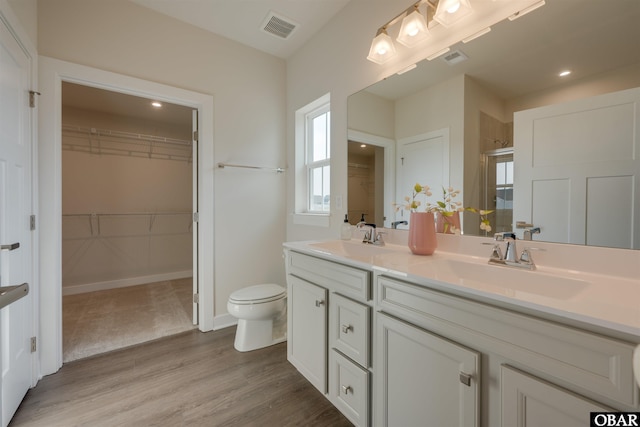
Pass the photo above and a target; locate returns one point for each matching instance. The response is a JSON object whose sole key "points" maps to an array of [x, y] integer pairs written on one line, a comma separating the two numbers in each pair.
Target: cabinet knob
{"points": [[319, 302], [346, 329], [346, 389], [465, 379]]}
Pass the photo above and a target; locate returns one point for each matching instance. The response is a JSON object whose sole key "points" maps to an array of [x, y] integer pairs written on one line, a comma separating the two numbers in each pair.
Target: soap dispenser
{"points": [[345, 231]]}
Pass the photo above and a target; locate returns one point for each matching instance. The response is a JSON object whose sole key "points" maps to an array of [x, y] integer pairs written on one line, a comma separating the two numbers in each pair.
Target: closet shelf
{"points": [[112, 142], [94, 218]]}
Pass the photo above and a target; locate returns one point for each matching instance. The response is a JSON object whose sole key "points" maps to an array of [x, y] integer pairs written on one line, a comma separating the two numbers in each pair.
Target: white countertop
{"points": [[601, 303]]}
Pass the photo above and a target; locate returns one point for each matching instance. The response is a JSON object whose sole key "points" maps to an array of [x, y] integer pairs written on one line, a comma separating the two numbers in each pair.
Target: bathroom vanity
{"points": [[395, 339]]}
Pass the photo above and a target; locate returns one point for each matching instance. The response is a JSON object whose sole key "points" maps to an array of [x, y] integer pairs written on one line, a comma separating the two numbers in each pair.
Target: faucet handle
{"points": [[504, 236], [378, 239], [496, 253]]}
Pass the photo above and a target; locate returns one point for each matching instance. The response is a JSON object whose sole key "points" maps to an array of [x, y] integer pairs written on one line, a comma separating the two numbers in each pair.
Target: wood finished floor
{"points": [[190, 379]]}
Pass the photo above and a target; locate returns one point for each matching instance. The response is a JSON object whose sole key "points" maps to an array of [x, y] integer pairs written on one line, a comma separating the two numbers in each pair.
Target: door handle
{"points": [[10, 247], [9, 294]]}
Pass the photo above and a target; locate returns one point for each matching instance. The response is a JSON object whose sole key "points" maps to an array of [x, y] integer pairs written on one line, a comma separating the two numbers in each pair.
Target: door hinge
{"points": [[196, 217], [32, 222], [195, 135], [32, 98], [33, 345], [196, 298]]}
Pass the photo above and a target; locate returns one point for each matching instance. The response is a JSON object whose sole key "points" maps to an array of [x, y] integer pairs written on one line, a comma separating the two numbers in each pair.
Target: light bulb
{"points": [[453, 7]]}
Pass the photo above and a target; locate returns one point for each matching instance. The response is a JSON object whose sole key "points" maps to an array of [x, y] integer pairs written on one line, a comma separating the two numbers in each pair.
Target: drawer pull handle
{"points": [[346, 389], [319, 302], [465, 379], [346, 329], [10, 247]]}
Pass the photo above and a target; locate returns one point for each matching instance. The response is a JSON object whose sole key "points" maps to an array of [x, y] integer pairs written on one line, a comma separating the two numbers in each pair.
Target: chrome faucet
{"points": [[510, 257], [528, 232], [370, 234], [395, 224]]}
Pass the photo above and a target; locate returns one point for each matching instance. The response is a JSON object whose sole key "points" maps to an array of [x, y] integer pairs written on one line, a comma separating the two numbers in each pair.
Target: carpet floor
{"points": [[102, 321]]}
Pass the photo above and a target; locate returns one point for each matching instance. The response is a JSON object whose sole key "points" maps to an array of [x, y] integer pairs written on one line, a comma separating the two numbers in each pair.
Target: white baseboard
{"points": [[123, 283], [224, 321]]}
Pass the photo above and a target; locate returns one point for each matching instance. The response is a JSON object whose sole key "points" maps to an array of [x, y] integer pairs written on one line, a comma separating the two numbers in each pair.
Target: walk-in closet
{"points": [[127, 221]]}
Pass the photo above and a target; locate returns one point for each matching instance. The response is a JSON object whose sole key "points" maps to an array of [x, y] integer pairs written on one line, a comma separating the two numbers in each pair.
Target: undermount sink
{"points": [[352, 249], [510, 280]]}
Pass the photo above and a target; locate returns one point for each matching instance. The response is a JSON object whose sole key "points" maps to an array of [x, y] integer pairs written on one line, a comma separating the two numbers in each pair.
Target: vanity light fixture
{"points": [[156, 104], [526, 10], [382, 48], [451, 11], [415, 25], [414, 28]]}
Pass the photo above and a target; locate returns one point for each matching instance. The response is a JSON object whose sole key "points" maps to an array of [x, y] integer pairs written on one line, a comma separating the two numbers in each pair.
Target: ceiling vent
{"points": [[454, 57], [278, 25]]}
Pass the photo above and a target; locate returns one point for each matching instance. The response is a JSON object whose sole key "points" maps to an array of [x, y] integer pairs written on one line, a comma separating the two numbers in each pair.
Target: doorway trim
{"points": [[389, 146], [52, 73]]}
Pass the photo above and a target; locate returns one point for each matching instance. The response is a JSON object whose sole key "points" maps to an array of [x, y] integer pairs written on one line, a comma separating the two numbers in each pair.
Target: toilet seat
{"points": [[258, 294]]}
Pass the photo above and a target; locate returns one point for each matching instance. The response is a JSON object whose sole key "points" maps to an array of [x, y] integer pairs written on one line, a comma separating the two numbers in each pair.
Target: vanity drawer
{"points": [[349, 388], [350, 281], [350, 329], [591, 364]]}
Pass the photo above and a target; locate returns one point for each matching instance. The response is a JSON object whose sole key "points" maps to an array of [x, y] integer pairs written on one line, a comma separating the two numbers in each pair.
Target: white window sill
{"points": [[316, 220]]}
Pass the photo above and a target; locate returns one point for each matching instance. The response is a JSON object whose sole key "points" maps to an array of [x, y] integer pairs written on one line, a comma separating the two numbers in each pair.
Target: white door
{"points": [[15, 209], [422, 159], [578, 170]]}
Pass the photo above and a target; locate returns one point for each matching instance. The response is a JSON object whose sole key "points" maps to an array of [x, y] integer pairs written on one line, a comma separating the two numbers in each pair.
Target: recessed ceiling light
{"points": [[363, 145], [564, 73], [156, 104]]}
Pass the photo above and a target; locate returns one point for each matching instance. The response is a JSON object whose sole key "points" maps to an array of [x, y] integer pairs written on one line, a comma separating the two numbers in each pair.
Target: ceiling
{"points": [[243, 20]]}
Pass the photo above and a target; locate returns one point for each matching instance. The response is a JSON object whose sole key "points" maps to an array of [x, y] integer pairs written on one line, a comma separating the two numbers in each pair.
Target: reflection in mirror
{"points": [[366, 183], [514, 68]]}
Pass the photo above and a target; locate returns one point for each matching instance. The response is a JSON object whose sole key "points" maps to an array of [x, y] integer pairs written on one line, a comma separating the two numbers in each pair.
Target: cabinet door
{"points": [[529, 402], [423, 379], [307, 344]]}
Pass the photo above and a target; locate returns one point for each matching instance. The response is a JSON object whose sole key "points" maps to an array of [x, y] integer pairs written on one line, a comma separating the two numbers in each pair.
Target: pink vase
{"points": [[448, 224], [422, 233]]}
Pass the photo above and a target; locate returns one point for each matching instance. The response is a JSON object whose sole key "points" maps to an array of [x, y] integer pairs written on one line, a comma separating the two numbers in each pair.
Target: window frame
{"points": [[303, 213]]}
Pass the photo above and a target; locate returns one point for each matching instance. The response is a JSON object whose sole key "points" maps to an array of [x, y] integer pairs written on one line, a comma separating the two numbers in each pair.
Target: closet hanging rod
{"points": [[228, 165], [125, 135], [129, 214]]}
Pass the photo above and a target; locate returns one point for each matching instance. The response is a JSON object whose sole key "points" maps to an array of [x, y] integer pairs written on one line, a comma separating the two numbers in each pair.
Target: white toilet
{"points": [[261, 311]]}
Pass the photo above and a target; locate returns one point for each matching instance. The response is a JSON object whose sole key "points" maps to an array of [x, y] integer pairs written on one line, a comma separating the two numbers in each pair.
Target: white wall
{"points": [[248, 87]]}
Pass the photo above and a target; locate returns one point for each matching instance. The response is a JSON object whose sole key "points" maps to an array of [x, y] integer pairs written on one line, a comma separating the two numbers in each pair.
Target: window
{"points": [[318, 156], [313, 163]]}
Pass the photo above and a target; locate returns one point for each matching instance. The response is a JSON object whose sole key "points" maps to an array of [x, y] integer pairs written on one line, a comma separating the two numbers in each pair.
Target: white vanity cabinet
{"points": [[393, 348], [329, 330], [534, 372]]}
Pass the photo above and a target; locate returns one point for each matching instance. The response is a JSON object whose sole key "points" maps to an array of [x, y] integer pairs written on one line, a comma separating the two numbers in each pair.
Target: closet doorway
{"points": [[128, 196]]}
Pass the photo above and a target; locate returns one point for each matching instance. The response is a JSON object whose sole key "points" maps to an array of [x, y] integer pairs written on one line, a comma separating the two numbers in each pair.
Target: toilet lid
{"points": [[258, 293]]}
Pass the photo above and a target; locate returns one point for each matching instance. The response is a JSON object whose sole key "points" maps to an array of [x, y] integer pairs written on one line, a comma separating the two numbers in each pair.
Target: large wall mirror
{"points": [[457, 120]]}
